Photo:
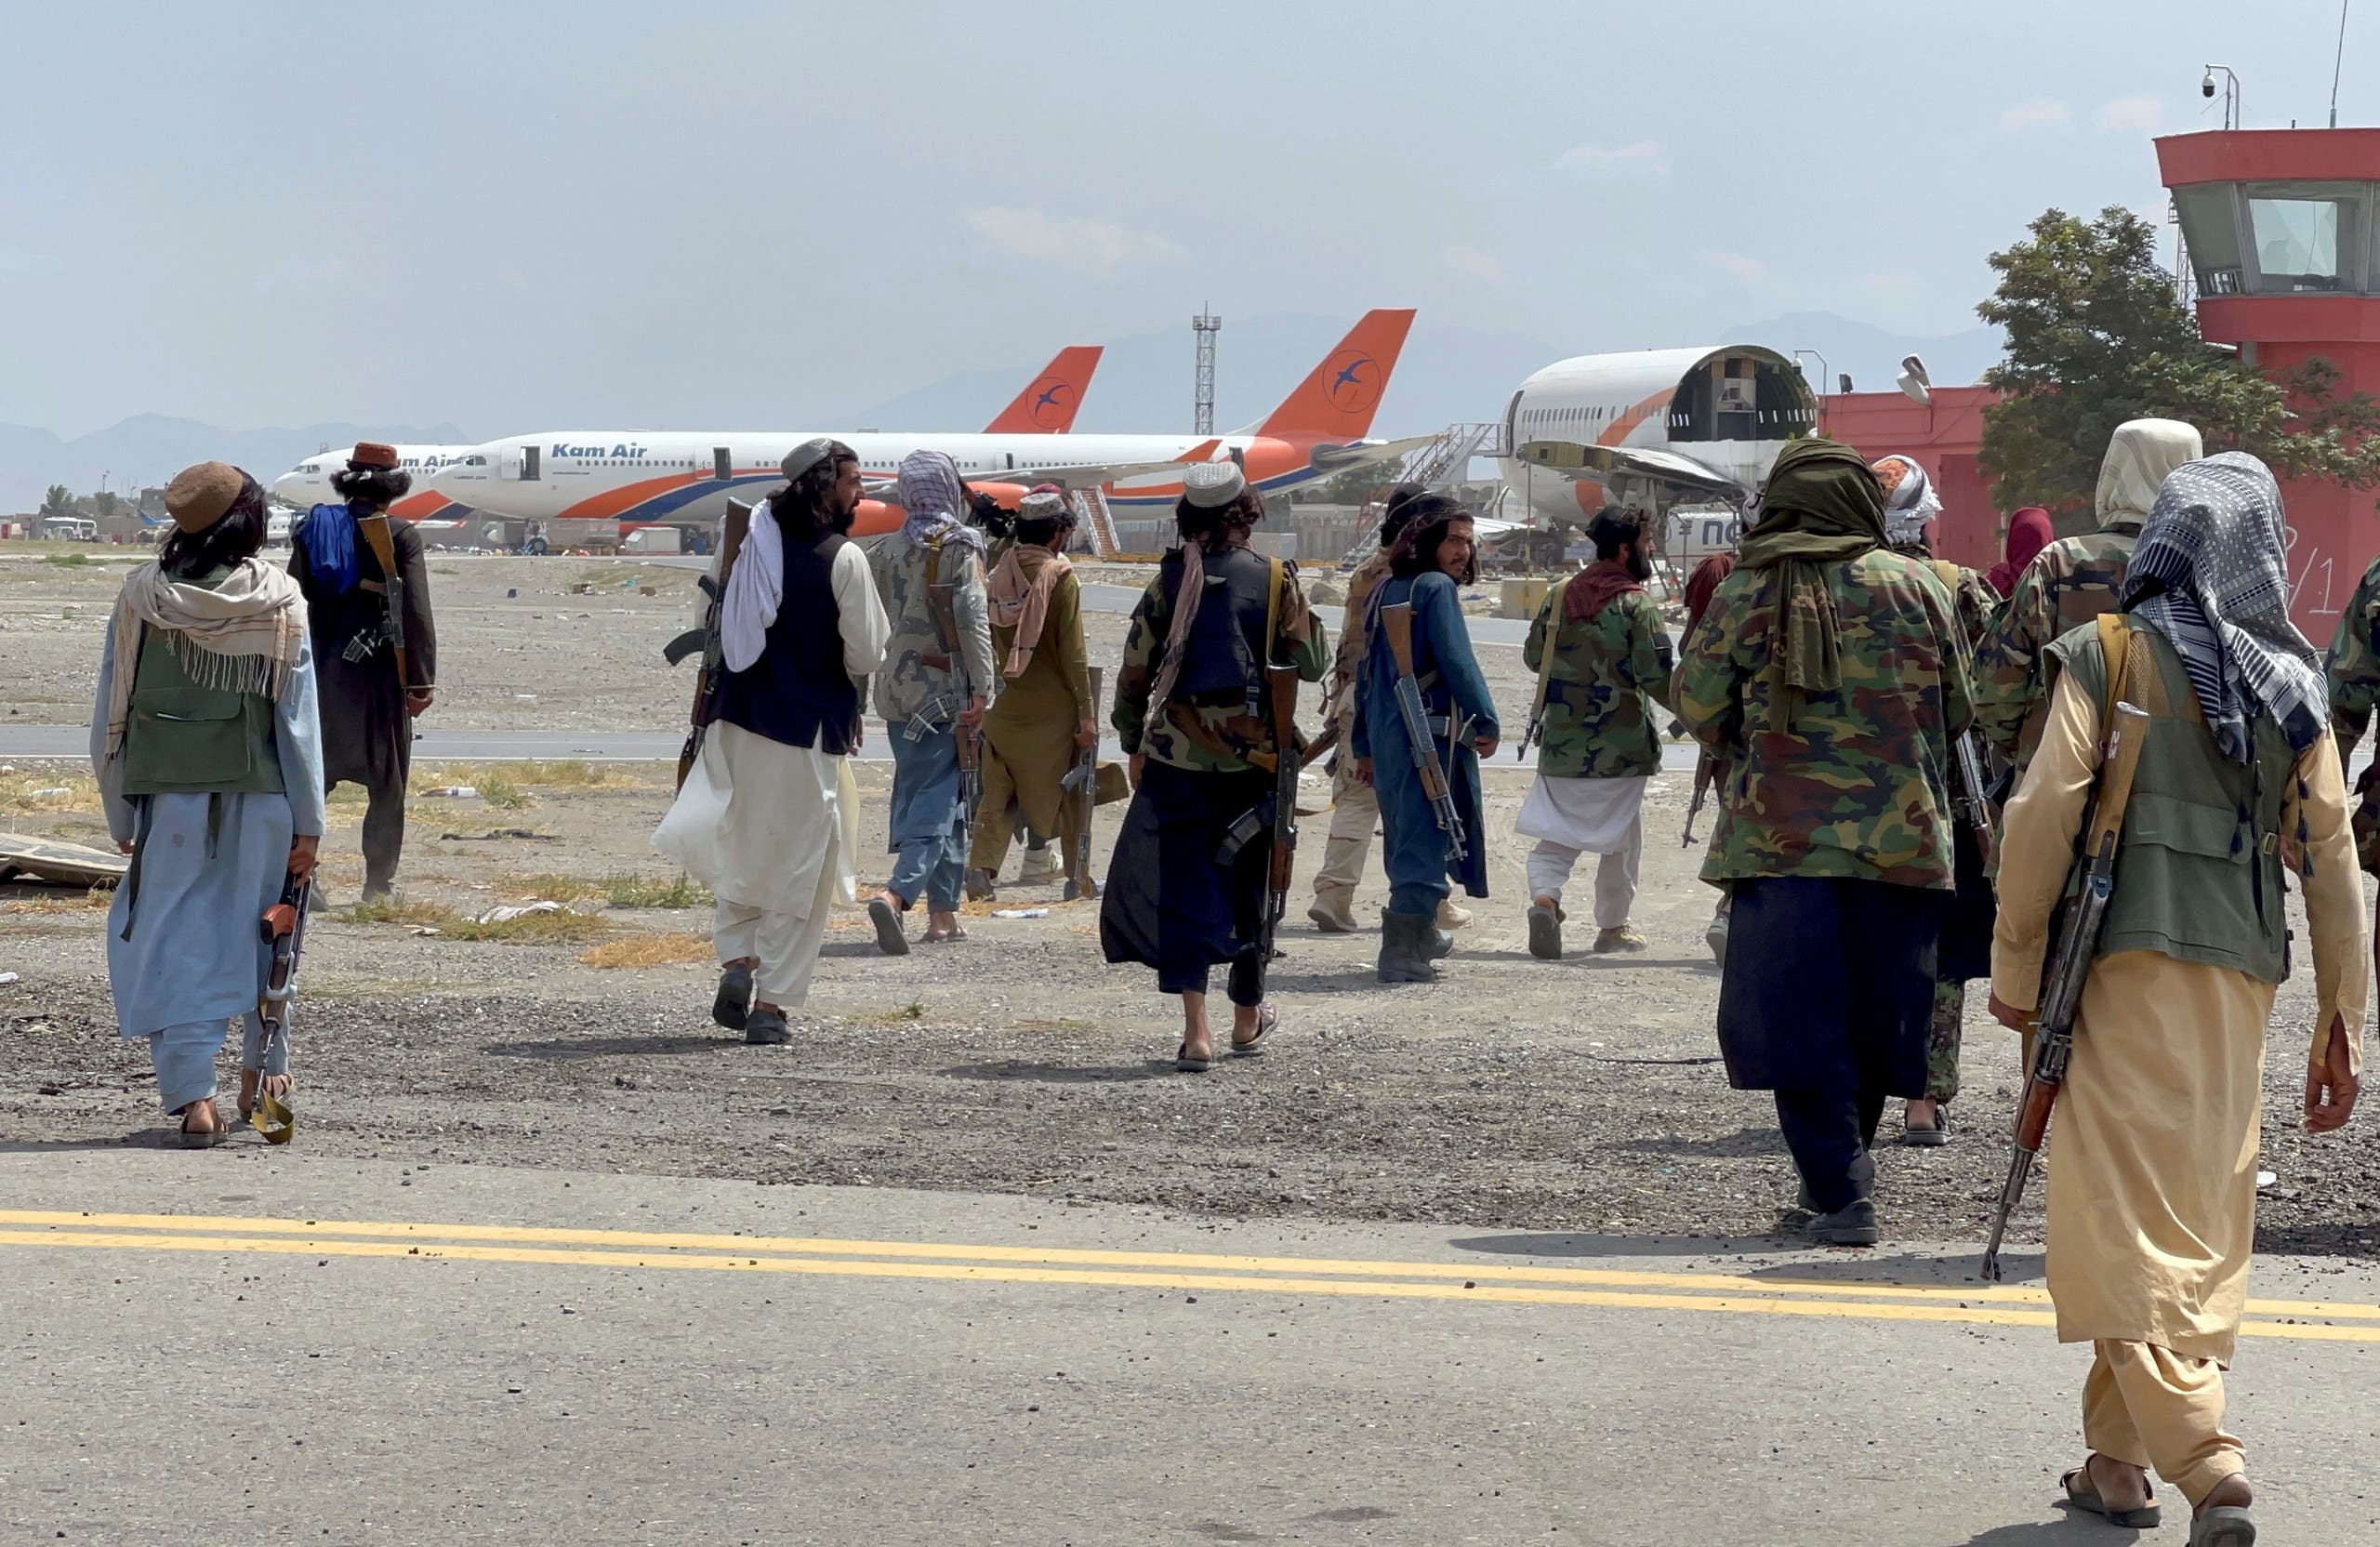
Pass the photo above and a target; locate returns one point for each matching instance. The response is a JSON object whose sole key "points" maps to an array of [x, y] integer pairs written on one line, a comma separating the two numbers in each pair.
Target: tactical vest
{"points": [[184, 739], [2199, 874], [798, 691], [1223, 657]]}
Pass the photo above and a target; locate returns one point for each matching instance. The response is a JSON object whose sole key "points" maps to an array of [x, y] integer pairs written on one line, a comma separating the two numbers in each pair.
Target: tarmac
{"points": [[332, 1350]]}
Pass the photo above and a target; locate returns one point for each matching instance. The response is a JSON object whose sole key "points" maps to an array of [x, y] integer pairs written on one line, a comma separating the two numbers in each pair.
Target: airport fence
{"points": [[1315, 536]]}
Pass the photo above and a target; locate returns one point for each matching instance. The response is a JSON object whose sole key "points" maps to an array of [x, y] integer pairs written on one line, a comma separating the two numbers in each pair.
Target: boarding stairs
{"points": [[1091, 509], [1442, 460]]}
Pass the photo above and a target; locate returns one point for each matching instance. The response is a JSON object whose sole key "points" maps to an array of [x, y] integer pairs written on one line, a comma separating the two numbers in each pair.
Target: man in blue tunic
{"points": [[1435, 554]]}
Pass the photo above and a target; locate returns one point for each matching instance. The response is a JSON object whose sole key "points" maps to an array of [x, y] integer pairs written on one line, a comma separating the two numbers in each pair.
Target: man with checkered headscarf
{"points": [[2153, 1192]]}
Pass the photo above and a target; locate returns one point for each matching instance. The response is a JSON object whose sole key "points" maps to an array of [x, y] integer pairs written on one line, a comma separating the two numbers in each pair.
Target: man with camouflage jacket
{"points": [[1830, 675], [2069, 583], [2354, 671], [1600, 648]]}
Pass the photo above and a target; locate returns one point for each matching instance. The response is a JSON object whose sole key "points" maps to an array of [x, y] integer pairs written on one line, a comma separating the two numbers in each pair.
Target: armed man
{"points": [[761, 817], [1829, 674], [2069, 583], [1964, 949], [2355, 687], [2152, 1196], [1190, 885], [1355, 804], [375, 645], [1600, 650], [938, 674], [1046, 716]]}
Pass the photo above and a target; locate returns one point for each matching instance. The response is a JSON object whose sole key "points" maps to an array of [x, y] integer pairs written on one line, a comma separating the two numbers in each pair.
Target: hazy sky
{"points": [[546, 214]]}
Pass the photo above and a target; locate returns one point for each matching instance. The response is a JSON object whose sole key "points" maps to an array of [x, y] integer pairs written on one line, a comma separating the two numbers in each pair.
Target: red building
{"points": [[2284, 248]]}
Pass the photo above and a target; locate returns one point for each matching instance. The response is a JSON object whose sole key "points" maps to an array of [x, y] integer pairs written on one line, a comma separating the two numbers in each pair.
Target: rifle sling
{"points": [[1545, 661]]}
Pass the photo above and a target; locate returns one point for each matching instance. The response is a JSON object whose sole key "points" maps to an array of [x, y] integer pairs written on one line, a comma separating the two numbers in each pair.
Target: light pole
{"points": [[1824, 376]]}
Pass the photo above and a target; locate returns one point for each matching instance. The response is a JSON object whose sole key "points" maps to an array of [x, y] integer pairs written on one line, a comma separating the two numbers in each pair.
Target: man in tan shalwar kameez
{"points": [[1044, 717], [2152, 1182]]}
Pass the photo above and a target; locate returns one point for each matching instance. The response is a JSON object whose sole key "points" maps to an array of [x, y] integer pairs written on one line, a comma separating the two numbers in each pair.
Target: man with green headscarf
{"points": [[1829, 674]]}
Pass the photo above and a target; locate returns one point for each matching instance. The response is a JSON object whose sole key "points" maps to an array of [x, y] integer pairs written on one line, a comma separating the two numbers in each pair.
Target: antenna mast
{"points": [[2337, 64], [1202, 402]]}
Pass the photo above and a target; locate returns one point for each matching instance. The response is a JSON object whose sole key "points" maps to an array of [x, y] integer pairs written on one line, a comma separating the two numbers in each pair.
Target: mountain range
{"points": [[1447, 375]]}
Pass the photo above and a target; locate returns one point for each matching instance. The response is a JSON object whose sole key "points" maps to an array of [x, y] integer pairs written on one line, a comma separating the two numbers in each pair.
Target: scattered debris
{"points": [[7, 977], [52, 793], [513, 910], [23, 857], [459, 792], [494, 834], [2265, 1179], [1020, 913]]}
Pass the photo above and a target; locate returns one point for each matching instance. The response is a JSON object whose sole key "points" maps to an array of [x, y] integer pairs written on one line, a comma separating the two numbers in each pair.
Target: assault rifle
{"points": [[375, 531], [1082, 781], [2070, 965], [942, 601], [1971, 794], [284, 928], [1281, 694], [1396, 623], [707, 639], [1706, 772]]}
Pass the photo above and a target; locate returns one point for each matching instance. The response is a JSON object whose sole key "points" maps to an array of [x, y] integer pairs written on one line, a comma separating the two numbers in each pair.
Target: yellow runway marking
{"points": [[1987, 1294], [1293, 1275]]}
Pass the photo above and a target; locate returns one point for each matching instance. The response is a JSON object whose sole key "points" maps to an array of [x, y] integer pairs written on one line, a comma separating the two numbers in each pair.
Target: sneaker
{"points": [[1334, 914], [1039, 868], [1624, 938], [1715, 936], [1853, 1225], [1452, 916], [734, 998], [767, 1028]]}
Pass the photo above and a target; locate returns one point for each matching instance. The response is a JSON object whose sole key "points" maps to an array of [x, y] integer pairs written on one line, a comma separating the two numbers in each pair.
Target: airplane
{"points": [[1651, 430], [687, 477], [1046, 407]]}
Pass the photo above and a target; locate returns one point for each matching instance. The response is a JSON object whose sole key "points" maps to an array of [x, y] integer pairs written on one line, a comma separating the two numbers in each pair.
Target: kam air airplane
{"points": [[687, 477], [1046, 407]]}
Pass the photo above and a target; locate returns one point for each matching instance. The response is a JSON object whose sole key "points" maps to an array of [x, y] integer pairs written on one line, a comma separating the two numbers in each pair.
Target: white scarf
{"points": [[244, 635], [755, 590]]}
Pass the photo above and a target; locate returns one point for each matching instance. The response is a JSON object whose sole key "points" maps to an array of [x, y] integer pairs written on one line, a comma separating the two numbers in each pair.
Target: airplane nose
{"points": [[289, 489]]}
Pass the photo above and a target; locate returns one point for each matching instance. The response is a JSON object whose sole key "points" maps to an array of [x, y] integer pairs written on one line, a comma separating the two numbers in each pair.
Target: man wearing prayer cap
{"points": [[2069, 583], [1829, 674], [1602, 657], [1185, 892], [763, 818], [1045, 716], [367, 713], [937, 677]]}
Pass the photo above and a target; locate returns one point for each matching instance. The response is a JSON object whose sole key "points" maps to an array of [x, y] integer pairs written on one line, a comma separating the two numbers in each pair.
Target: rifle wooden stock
{"points": [[1080, 883], [732, 533], [2070, 965], [1281, 691], [1396, 624], [383, 544]]}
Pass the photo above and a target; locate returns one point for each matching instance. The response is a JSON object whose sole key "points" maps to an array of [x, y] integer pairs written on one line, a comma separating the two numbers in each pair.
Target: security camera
{"points": [[2206, 87]]}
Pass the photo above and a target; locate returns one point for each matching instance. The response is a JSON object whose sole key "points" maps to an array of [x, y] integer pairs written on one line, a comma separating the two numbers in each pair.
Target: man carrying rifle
{"points": [[1187, 884], [1829, 675], [1424, 720], [760, 819], [375, 645], [1046, 717], [937, 676], [2152, 1196], [1964, 950], [1600, 650]]}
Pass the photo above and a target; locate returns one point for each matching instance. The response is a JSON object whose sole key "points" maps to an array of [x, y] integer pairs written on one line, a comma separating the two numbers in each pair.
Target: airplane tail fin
{"points": [[1341, 395], [1047, 406]]}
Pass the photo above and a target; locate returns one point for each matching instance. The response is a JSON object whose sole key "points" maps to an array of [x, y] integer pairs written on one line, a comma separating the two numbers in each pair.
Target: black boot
{"points": [[1405, 946]]}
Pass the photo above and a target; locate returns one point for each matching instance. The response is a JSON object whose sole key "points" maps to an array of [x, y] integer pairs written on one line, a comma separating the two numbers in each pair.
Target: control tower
{"points": [[2286, 252]]}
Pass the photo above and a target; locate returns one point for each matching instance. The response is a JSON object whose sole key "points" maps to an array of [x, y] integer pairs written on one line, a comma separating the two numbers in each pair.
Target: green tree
{"points": [[106, 506], [60, 501], [2096, 336]]}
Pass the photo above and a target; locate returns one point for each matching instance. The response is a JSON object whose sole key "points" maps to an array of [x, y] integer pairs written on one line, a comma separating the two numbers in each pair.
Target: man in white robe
{"points": [[763, 818]]}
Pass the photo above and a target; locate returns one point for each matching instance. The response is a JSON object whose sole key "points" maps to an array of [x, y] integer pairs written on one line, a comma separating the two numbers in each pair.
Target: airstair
{"points": [[1443, 460], [1090, 509]]}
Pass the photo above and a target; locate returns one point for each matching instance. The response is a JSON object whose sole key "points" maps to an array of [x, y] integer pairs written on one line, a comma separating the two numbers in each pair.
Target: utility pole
{"points": [[1206, 325]]}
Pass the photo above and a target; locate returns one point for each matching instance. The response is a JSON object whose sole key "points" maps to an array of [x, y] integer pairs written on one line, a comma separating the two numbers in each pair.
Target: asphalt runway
{"points": [[311, 1349]]}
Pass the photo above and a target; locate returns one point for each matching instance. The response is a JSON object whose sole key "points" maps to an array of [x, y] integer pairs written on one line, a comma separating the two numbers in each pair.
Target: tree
{"points": [[59, 502], [2097, 335]]}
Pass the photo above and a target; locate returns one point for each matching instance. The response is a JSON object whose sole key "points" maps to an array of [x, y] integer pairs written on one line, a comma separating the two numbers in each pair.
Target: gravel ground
{"points": [[1582, 1095]]}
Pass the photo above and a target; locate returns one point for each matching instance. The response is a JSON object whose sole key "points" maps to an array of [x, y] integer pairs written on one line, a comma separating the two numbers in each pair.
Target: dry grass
{"points": [[95, 900], [505, 786], [648, 950], [559, 927], [907, 1013], [620, 891], [18, 791]]}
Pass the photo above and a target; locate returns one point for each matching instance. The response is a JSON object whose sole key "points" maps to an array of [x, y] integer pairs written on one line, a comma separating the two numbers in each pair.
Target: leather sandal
{"points": [[2084, 1496], [1267, 1018]]}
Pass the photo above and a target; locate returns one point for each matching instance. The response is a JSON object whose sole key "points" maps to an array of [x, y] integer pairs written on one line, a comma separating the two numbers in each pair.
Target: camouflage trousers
{"points": [[1942, 1041]]}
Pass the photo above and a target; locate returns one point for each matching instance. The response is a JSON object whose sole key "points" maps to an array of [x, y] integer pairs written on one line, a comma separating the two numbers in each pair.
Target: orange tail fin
{"points": [[1339, 397], [1048, 407]]}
